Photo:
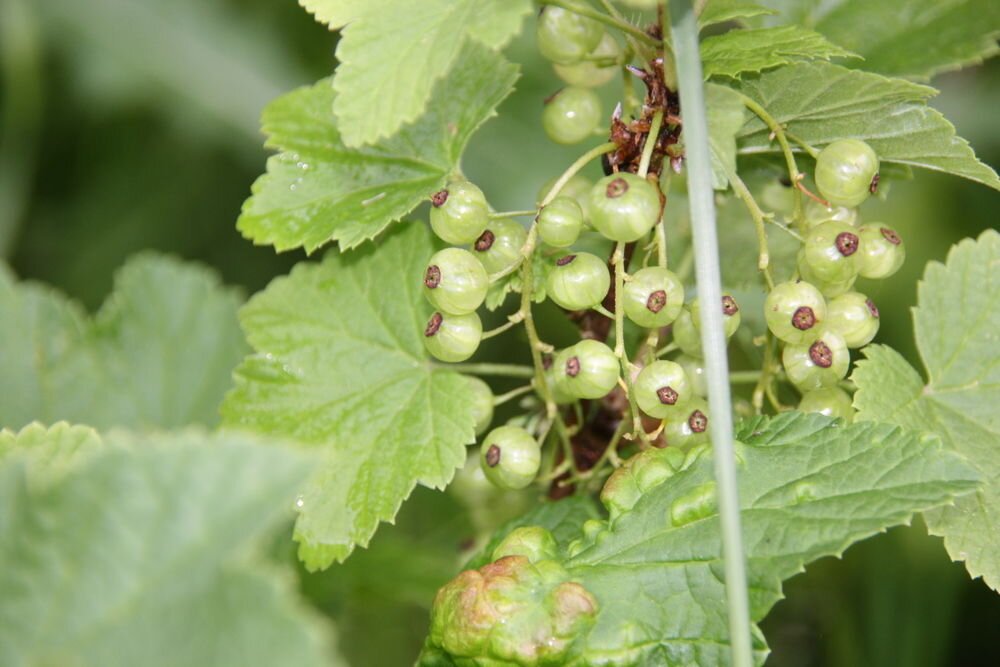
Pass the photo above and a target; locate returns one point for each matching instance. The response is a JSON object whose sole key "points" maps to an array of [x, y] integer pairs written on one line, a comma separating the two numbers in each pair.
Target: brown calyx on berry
{"points": [[698, 422], [616, 188], [485, 241], [803, 318], [439, 198], [847, 243], [729, 305], [656, 301], [493, 456], [821, 354], [433, 324], [873, 186], [563, 261], [667, 395], [872, 308], [432, 278], [890, 236], [573, 367]]}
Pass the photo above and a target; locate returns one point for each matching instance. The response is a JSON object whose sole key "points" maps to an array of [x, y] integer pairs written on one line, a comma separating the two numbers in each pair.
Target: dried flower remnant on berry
{"points": [[667, 395], [804, 319], [729, 305], [493, 456], [847, 243], [698, 422], [656, 301], [439, 198], [433, 277], [821, 354], [433, 324]]}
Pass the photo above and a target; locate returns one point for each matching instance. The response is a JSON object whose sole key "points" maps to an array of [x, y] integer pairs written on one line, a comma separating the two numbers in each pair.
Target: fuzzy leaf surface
{"points": [[340, 365], [390, 55], [911, 38], [832, 102], [957, 327], [720, 11], [142, 552], [809, 487], [319, 190], [159, 353], [737, 51]]}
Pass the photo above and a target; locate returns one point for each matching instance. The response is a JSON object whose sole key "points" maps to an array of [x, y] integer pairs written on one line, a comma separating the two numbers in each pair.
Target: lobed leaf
{"points": [[726, 115], [159, 353], [319, 190], [142, 552], [720, 11], [956, 327], [832, 102], [738, 51], [391, 55], [340, 365]]}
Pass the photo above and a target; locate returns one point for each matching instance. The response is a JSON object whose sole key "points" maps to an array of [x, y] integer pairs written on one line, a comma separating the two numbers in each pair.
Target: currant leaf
{"points": [[319, 190], [738, 51], [726, 115], [340, 365], [956, 325], [720, 11]]}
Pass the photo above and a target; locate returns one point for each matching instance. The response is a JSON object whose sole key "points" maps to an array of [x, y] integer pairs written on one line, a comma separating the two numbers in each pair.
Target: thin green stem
{"points": [[661, 227], [713, 338], [513, 393], [603, 311], [744, 377], [499, 370], [579, 164], [619, 316], [667, 349], [493, 277], [806, 147], [759, 217], [529, 326], [766, 370], [500, 329], [650, 143], [591, 13], [512, 214]]}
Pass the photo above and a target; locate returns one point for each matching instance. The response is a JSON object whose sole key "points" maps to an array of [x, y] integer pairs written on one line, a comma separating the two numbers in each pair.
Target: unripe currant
{"points": [[555, 378], [455, 282], [482, 402], [730, 314], [510, 457], [565, 37], [695, 369], [624, 207], [662, 389], [831, 251], [578, 281], [854, 316], [499, 246], [590, 74], [453, 338], [881, 251], [816, 213], [577, 187], [686, 335], [571, 115], [560, 222], [459, 213], [829, 401], [689, 427], [821, 363], [794, 310], [826, 288], [588, 369], [653, 297], [847, 172]]}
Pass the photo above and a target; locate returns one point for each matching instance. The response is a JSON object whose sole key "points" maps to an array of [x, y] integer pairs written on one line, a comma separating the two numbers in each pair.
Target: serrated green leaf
{"points": [[726, 114], [957, 325], [809, 488], [911, 38], [340, 364], [390, 56], [48, 452], [159, 353], [738, 51], [318, 190], [832, 102], [143, 554], [719, 11]]}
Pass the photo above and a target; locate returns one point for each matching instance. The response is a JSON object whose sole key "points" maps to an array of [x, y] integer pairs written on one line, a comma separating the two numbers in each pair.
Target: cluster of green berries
{"points": [[820, 317]]}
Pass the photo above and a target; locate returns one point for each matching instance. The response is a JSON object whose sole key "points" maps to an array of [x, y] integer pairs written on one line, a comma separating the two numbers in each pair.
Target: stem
{"points": [[512, 214], [500, 329], [763, 255], [513, 393], [581, 161], [619, 262], [591, 13], [744, 377], [713, 337], [648, 146], [504, 370], [529, 326], [603, 311]]}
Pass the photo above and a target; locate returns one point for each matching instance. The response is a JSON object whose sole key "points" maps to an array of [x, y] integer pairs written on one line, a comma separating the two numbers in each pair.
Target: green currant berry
{"points": [[827, 289], [455, 282], [831, 251], [794, 310], [854, 316], [578, 281], [686, 335], [662, 389], [623, 207], [453, 337], [589, 74], [577, 187], [689, 427], [510, 457], [499, 246], [555, 378], [816, 213], [821, 363], [846, 172], [588, 369], [730, 314], [560, 222], [776, 196], [882, 251], [459, 213], [695, 369], [571, 114], [482, 402], [829, 401], [653, 297], [565, 37]]}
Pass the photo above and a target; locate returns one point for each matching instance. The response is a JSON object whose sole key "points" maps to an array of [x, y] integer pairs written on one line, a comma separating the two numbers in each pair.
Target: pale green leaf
{"points": [[144, 554], [958, 335], [391, 56], [726, 115], [738, 51], [318, 190], [48, 452], [158, 354], [340, 365], [719, 11], [809, 488], [831, 102]]}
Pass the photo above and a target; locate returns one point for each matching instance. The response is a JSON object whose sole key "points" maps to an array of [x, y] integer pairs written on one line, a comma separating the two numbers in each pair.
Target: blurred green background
{"points": [[132, 124]]}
